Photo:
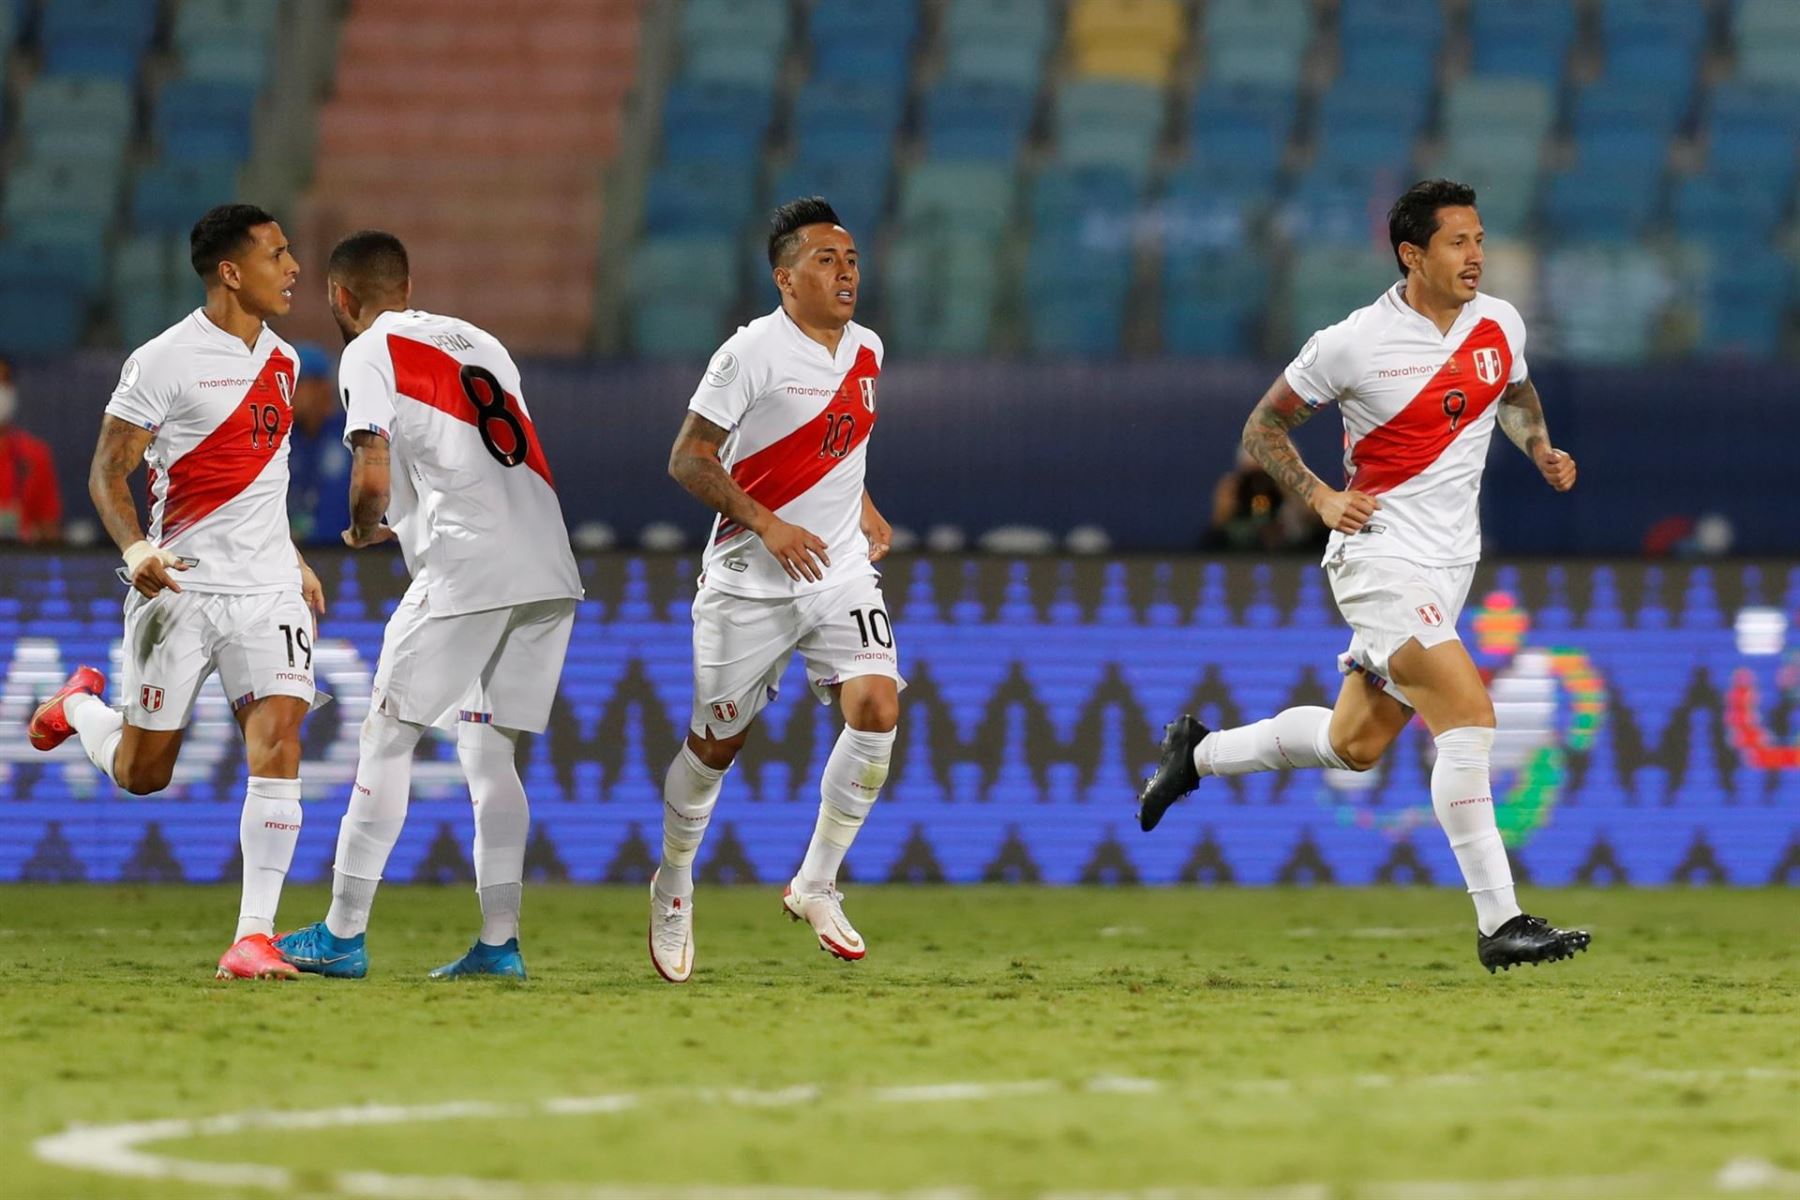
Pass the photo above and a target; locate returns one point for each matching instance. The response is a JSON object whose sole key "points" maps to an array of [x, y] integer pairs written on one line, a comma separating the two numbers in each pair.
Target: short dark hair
{"points": [[1414, 217], [222, 233], [370, 262], [786, 222]]}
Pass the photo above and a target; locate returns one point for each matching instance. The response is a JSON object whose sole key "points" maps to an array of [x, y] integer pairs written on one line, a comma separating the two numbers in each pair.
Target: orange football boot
{"points": [[49, 727], [254, 956]]}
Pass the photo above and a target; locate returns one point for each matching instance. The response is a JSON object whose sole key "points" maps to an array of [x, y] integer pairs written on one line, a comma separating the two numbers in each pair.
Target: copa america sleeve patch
{"points": [[722, 370]]}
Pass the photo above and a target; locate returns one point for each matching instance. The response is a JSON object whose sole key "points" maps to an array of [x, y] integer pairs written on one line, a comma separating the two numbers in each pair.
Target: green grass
{"points": [[1341, 1037]]}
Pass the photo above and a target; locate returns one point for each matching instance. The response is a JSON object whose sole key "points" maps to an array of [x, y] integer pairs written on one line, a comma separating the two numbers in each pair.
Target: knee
{"points": [[717, 753], [1358, 754], [875, 713], [144, 779]]}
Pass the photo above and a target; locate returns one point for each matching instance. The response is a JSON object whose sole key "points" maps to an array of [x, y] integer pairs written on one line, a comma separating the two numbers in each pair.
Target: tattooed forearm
{"points": [[121, 449], [1280, 411], [1521, 417], [369, 479], [694, 464]]}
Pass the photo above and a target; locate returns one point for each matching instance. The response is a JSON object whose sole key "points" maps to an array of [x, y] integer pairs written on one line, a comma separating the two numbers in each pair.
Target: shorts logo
{"points": [[150, 698], [868, 393], [1487, 365], [1431, 614], [725, 711]]}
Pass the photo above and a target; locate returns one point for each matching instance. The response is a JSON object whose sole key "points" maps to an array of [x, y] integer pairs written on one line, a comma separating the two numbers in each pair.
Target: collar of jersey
{"points": [[1397, 294], [794, 330], [228, 339]]}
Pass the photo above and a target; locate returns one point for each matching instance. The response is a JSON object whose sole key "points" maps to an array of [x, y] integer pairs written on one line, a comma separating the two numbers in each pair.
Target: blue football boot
{"points": [[315, 950], [482, 959]]}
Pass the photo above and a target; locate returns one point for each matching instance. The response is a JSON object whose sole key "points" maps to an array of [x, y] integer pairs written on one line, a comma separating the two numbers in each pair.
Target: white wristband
{"points": [[144, 548]]}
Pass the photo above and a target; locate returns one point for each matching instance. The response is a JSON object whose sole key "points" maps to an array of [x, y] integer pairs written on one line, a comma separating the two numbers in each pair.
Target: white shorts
{"points": [[260, 645], [1389, 602], [742, 646], [500, 666]]}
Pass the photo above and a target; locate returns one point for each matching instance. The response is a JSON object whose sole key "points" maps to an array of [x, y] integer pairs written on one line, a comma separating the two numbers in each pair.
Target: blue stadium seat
{"points": [[1724, 208], [1213, 302], [1755, 134], [1527, 39], [1368, 127], [169, 196], [1108, 123], [721, 62], [680, 288], [1383, 40], [199, 121], [832, 118], [1634, 151], [941, 285], [881, 63], [1323, 282], [1082, 205], [745, 23], [1339, 207], [38, 321], [1744, 304], [225, 40], [1680, 22], [699, 197], [976, 196], [1075, 299], [1199, 214], [39, 188], [1599, 205], [1242, 131], [992, 22], [838, 23], [711, 124], [54, 264], [856, 188], [1647, 103], [96, 38], [985, 122], [71, 105], [1011, 64]]}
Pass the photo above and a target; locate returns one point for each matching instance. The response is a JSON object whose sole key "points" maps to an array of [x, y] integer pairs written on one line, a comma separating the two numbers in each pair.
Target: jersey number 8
{"points": [[490, 400]]}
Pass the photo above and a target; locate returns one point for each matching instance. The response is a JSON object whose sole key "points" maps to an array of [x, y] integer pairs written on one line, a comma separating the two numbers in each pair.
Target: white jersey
{"points": [[800, 418], [1418, 415], [218, 463], [472, 501]]}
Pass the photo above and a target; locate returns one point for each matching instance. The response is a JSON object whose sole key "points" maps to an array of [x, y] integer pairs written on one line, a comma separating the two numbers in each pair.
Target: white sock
{"points": [[267, 832], [99, 727], [372, 823], [1463, 797], [502, 822], [690, 790], [852, 781], [1292, 738]]}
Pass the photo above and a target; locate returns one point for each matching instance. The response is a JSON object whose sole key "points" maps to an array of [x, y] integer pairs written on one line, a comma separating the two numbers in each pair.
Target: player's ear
{"points": [[784, 280], [229, 274]]}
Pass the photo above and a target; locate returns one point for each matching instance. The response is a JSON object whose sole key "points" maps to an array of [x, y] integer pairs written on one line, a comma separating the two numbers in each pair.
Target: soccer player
{"points": [[775, 441], [443, 446], [1423, 376], [216, 583]]}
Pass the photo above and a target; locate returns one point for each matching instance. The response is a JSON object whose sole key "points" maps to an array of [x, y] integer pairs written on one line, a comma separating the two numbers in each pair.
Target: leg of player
{"points": [[488, 754], [1446, 687], [1352, 736], [142, 761], [690, 790], [371, 826], [848, 789], [267, 832]]}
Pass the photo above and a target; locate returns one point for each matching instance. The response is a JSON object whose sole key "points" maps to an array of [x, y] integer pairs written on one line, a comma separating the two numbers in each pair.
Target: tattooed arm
{"points": [[1521, 418], [1267, 439], [121, 449], [694, 464], [369, 486]]}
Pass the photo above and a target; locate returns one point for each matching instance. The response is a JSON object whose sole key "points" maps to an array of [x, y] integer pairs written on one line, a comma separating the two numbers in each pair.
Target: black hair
{"points": [[221, 233], [786, 222], [1414, 217], [370, 262]]}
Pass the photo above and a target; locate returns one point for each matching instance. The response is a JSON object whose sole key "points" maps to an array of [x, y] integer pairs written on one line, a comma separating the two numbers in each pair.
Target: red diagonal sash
{"points": [[1416, 436], [785, 470], [233, 455], [433, 378]]}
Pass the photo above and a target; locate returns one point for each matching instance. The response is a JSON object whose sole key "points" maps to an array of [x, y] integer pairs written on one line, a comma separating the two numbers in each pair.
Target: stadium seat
{"points": [[1198, 213], [699, 197], [680, 288], [1338, 207], [1605, 301], [856, 187], [718, 61], [38, 189], [1597, 205], [1324, 282], [941, 285], [1500, 121], [964, 195], [1075, 299], [1212, 302], [168, 196], [55, 106], [1766, 36], [714, 124], [846, 120], [36, 321], [1528, 39], [1257, 41], [832, 23], [1754, 134], [1384, 40], [200, 121], [1505, 193], [1360, 125], [1648, 103], [80, 265], [1725, 209], [734, 41], [1240, 132], [95, 38], [1133, 40], [982, 122], [1743, 304], [1085, 206], [1108, 124]]}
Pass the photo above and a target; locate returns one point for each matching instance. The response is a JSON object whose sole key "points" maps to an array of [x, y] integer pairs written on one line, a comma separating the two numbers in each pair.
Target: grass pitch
{"points": [[1293, 1044]]}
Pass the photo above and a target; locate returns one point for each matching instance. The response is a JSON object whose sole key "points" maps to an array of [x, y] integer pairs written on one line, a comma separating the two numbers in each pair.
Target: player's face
{"points": [[266, 272], [1452, 262], [824, 277]]}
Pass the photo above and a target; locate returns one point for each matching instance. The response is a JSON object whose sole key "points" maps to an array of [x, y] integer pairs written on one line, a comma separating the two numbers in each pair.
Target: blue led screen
{"points": [[1650, 731]]}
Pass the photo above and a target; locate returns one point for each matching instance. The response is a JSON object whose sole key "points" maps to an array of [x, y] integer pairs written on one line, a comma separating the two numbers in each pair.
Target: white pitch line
{"points": [[119, 1150]]}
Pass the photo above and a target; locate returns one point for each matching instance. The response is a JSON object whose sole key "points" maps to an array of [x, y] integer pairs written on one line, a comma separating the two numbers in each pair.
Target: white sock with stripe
{"points": [[1292, 739]]}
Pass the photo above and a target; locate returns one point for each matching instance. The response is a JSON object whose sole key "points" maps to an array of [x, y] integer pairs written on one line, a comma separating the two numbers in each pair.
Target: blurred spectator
{"points": [[30, 502], [1251, 512], [318, 463]]}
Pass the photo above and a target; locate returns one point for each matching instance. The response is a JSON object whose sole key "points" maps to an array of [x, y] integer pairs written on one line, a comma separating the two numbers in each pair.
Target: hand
{"points": [[149, 566], [1345, 512], [878, 531], [312, 591], [1557, 468], [356, 538], [796, 549]]}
